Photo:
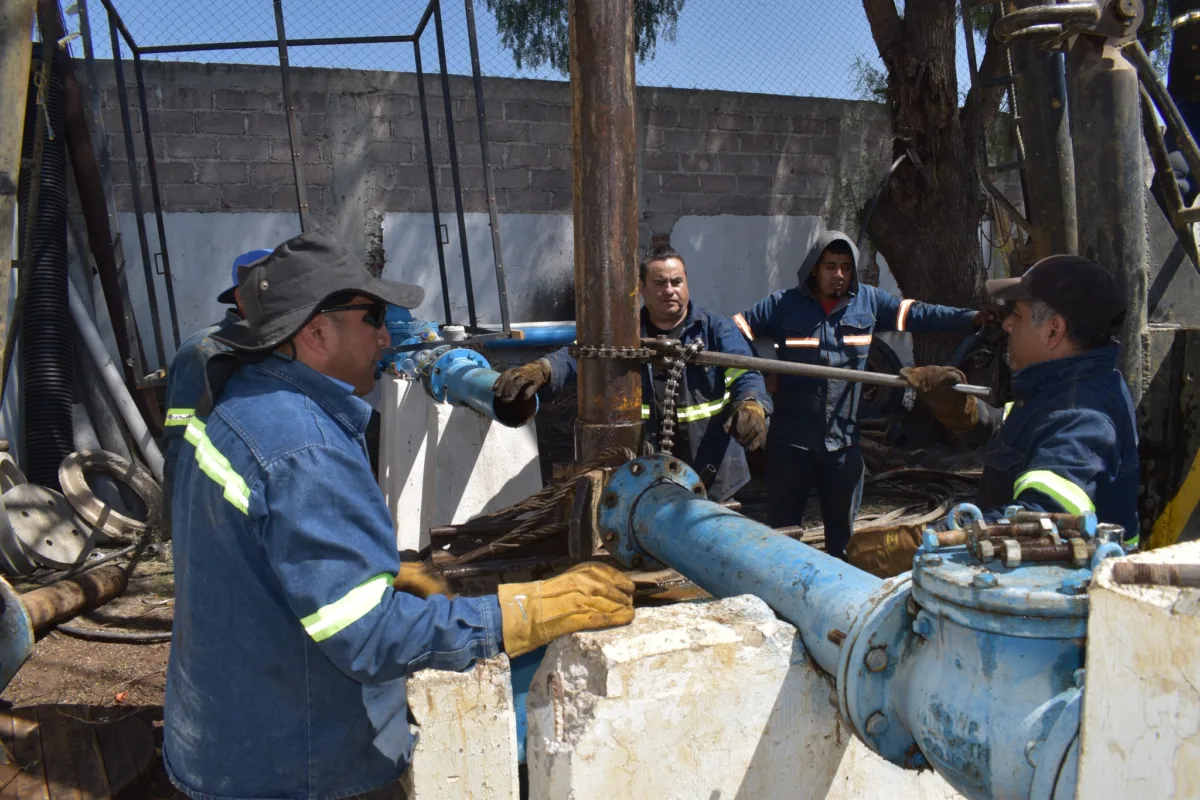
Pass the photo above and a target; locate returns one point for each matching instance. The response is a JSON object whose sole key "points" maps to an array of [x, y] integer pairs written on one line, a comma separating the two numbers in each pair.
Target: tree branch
{"points": [[983, 102], [886, 27]]}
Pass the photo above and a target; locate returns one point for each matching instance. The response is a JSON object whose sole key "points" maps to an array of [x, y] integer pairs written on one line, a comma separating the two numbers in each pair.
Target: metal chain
{"points": [[675, 365], [606, 351]]}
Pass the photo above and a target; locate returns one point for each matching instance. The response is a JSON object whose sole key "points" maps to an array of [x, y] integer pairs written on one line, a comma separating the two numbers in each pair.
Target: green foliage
{"points": [[870, 82], [536, 31]]}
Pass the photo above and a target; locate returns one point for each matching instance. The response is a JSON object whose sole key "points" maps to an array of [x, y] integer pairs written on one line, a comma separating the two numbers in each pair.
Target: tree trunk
{"points": [[926, 223]]}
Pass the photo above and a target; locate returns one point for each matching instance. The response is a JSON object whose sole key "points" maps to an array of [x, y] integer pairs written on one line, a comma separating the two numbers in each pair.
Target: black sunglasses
{"points": [[376, 312]]}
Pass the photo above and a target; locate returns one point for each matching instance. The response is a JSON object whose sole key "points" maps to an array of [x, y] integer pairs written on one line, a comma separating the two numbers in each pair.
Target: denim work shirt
{"points": [[706, 398], [1068, 443], [816, 413], [185, 385], [287, 670]]}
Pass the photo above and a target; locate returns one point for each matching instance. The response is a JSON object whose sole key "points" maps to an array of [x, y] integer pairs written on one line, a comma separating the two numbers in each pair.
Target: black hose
{"points": [[113, 637], [47, 379]]}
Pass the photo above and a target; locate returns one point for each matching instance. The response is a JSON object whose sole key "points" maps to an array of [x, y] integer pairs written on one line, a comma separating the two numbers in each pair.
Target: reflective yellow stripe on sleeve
{"points": [[645, 411], [732, 375], [179, 416], [1072, 498], [702, 410], [338, 615], [902, 315], [1008, 407], [217, 466]]}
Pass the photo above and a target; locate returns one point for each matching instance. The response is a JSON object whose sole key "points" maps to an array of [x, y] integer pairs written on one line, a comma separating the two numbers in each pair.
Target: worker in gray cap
{"points": [[1067, 443], [296, 625]]}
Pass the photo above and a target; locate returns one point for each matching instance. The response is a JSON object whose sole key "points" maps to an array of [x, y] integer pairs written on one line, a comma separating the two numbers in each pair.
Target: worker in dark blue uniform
{"points": [[1068, 441], [829, 319], [720, 412], [185, 376]]}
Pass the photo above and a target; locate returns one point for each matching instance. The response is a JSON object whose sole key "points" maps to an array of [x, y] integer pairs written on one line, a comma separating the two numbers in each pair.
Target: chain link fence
{"points": [[785, 47]]}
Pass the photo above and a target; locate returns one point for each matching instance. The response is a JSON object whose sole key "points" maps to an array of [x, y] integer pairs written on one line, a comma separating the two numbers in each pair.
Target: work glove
{"points": [[934, 385], [420, 580], [585, 597], [748, 424], [884, 552], [523, 381]]}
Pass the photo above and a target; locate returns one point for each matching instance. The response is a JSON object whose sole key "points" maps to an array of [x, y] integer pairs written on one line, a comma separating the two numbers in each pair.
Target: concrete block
{"points": [[742, 204], [698, 162], [264, 124], [222, 172], [187, 198], [732, 122], [659, 203], [551, 133], [552, 179], [441, 465], [241, 100], [511, 178], [681, 183], [467, 747], [310, 124], [707, 700], [703, 204], [527, 201], [273, 173], [499, 131], [392, 152], [753, 184], [718, 184], [171, 122], [661, 161], [525, 155], [1141, 703], [193, 147], [256, 149], [228, 122], [248, 196], [559, 157], [758, 143]]}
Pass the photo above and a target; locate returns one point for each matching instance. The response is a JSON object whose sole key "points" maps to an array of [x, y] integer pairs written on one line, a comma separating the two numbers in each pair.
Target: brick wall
{"points": [[220, 137]]}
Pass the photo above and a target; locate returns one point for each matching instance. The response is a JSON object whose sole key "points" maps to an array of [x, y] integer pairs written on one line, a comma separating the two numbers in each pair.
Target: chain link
{"points": [[617, 353], [675, 365]]}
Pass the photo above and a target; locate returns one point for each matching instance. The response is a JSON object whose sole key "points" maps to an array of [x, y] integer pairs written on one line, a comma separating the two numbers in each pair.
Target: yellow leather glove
{"points": [[958, 412], [748, 424], [420, 580], [585, 597], [523, 381], [885, 552]]}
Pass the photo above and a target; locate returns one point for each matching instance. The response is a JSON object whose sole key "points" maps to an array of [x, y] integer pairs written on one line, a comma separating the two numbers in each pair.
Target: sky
{"points": [[792, 47]]}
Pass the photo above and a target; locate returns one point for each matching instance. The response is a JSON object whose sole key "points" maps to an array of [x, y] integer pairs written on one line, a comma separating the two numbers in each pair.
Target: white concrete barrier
{"points": [[1141, 699], [698, 701], [467, 734]]}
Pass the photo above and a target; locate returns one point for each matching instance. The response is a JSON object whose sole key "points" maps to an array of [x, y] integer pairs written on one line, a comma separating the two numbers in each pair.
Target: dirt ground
{"points": [[126, 676]]}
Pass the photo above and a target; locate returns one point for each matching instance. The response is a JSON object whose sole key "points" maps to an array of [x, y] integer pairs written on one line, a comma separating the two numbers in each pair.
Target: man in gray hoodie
{"points": [[829, 319]]}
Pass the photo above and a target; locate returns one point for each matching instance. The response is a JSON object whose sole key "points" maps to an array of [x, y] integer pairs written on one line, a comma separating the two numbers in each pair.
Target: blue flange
{"points": [[622, 493], [16, 633], [444, 365]]}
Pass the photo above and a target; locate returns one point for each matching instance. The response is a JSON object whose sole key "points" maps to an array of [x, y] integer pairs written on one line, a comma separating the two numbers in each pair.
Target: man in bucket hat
{"points": [[1068, 440], [296, 625]]}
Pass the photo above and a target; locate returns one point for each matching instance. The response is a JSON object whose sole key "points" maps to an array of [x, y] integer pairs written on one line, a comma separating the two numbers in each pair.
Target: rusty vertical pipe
{"points": [[603, 148]]}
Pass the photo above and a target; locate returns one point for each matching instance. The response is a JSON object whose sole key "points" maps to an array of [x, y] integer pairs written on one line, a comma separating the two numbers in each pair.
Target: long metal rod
{"points": [[458, 202], [135, 184], [815, 371], [114, 18], [433, 195], [156, 195], [1166, 105], [110, 266], [1164, 175], [263, 44], [293, 135], [488, 184], [604, 190]]}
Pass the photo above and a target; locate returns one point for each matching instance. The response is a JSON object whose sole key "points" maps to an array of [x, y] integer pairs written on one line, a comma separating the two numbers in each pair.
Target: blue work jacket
{"points": [[815, 413], [704, 402], [287, 669], [185, 385], [1068, 442]]}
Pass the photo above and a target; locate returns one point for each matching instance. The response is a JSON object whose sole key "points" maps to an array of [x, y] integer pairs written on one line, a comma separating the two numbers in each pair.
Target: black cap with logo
{"points": [[282, 291], [1080, 289]]}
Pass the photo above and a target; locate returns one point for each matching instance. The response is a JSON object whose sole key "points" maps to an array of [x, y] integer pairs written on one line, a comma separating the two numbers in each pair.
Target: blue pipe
{"points": [[551, 334], [463, 377], [727, 554]]}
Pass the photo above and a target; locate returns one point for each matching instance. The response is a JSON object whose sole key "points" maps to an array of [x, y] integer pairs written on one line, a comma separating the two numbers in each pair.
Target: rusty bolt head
{"points": [[985, 580], [698, 490], [931, 560], [877, 724], [835, 636], [610, 499], [877, 659], [1126, 9], [609, 536], [1010, 553], [636, 468]]}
